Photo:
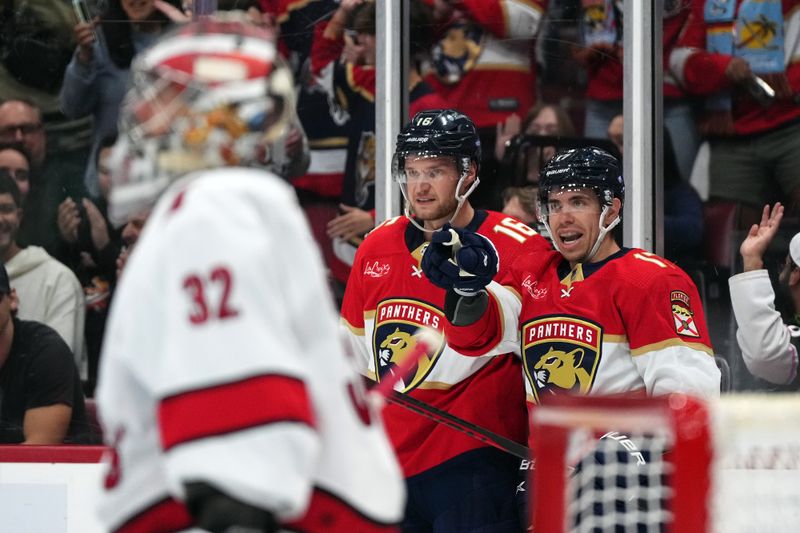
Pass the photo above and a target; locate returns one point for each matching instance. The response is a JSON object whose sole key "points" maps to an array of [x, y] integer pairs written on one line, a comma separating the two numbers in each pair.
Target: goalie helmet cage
{"points": [[671, 464]]}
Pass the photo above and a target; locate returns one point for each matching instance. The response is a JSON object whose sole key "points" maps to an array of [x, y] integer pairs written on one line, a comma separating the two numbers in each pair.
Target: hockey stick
{"points": [[473, 430], [384, 391]]}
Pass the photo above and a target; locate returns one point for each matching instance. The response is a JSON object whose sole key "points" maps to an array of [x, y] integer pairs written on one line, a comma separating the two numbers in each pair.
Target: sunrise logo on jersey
{"points": [[532, 286], [561, 354], [376, 270], [682, 314], [397, 329]]}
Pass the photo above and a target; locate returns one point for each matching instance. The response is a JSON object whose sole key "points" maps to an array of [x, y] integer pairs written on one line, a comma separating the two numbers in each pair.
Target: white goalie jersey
{"points": [[222, 365]]}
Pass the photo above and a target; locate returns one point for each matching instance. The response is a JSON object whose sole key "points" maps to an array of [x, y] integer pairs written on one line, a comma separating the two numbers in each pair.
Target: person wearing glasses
{"points": [[50, 177], [21, 122]]}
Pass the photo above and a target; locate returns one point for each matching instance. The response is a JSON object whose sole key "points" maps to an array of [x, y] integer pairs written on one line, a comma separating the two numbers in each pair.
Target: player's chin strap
{"points": [[600, 236]]}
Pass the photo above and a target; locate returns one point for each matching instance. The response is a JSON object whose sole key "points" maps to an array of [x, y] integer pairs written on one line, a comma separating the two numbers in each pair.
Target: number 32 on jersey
{"points": [[209, 295]]}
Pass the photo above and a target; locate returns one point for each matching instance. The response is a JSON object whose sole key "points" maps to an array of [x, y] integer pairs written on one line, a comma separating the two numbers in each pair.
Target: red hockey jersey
{"points": [[496, 77], [702, 72], [388, 297], [633, 322]]}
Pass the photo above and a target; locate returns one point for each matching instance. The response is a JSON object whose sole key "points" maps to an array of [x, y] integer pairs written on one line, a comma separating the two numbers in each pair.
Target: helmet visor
{"points": [[570, 198], [434, 167]]}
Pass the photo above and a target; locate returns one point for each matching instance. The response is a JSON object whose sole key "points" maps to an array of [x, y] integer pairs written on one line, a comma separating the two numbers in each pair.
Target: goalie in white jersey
{"points": [[223, 388]]}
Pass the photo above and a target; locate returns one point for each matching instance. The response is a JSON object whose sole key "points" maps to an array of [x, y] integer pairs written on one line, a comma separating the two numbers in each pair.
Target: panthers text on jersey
{"points": [[222, 364], [388, 298], [633, 322]]}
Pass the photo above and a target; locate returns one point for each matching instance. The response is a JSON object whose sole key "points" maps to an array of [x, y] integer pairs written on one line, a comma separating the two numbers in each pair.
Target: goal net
{"points": [[670, 464]]}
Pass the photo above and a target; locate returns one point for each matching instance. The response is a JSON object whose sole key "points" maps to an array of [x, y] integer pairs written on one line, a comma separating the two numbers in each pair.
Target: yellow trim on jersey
{"points": [[354, 330], [669, 343], [355, 87], [620, 339], [502, 321], [576, 274], [370, 314], [434, 385], [330, 142]]}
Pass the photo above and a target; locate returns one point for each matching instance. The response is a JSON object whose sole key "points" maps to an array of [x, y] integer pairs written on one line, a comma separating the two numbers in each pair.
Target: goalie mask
{"points": [[208, 94], [578, 169], [439, 133]]}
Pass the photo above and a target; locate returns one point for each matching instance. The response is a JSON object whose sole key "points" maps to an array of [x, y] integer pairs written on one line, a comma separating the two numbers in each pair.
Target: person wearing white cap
{"points": [[769, 345]]}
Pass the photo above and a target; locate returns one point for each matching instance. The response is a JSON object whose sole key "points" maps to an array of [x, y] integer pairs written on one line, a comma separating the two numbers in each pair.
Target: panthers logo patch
{"points": [[561, 354], [397, 324]]}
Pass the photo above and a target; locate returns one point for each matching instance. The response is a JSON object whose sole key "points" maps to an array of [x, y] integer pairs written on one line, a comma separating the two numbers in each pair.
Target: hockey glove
{"points": [[217, 512], [460, 260]]}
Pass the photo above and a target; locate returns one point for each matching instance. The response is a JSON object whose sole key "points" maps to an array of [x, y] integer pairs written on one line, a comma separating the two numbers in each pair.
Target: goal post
{"points": [[667, 464]]}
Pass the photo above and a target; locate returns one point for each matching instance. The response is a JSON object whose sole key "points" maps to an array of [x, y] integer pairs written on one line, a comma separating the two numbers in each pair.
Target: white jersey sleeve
{"points": [[765, 341], [509, 306]]}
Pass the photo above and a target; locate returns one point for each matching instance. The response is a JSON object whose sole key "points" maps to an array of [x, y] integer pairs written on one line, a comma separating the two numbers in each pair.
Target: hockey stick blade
{"points": [[459, 424]]}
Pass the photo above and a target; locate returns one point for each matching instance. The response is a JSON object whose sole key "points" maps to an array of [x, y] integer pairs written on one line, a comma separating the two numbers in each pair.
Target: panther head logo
{"points": [[393, 351], [563, 370]]}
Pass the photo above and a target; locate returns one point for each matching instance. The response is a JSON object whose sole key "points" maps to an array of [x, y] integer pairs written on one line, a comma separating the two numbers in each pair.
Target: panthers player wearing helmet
{"points": [[589, 317], [593, 318], [226, 406], [455, 483]]}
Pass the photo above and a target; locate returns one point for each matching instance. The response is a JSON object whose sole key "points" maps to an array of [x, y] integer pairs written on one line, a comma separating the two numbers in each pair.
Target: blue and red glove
{"points": [[460, 260]]}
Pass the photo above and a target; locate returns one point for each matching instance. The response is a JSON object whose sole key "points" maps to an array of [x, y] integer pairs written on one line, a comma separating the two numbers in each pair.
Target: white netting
{"points": [[620, 486], [622, 475]]}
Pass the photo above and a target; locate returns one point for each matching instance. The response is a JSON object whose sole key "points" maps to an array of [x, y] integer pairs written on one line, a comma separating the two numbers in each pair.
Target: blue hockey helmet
{"points": [[583, 168], [589, 168], [439, 132]]}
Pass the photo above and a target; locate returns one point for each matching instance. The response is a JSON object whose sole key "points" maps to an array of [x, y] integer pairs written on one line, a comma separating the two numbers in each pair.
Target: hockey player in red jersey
{"points": [[224, 391], [589, 317], [455, 483]]}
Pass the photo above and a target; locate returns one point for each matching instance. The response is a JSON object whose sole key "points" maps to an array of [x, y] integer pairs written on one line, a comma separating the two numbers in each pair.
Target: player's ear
{"points": [[614, 211], [14, 301], [470, 178], [794, 276]]}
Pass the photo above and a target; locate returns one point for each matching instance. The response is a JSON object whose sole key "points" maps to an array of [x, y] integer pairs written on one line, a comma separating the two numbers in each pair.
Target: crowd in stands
{"points": [[731, 82]]}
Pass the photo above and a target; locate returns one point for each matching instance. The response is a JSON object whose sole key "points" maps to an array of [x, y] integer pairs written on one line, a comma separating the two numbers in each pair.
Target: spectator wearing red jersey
{"points": [[754, 138]]}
